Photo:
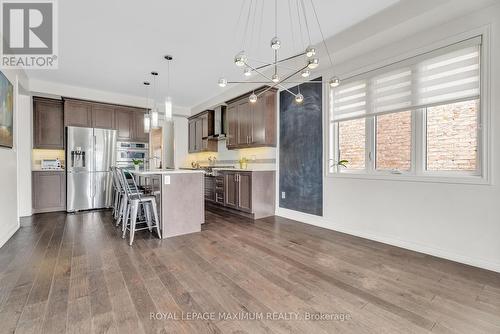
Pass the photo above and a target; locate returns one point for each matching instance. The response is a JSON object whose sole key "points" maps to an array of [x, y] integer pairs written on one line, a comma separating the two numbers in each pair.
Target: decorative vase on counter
{"points": [[243, 163], [137, 167]]}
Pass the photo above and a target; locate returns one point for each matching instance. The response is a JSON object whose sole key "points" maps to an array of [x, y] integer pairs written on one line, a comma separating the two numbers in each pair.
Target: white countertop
{"points": [[40, 169], [249, 169], [164, 172]]}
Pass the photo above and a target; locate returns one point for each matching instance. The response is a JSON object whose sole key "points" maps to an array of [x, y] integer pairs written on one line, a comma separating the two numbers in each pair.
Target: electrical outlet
{"points": [[166, 179], [283, 195]]}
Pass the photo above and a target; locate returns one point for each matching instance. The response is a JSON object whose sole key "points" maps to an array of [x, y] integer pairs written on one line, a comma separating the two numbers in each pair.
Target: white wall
{"points": [[24, 146], [9, 222], [455, 221]]}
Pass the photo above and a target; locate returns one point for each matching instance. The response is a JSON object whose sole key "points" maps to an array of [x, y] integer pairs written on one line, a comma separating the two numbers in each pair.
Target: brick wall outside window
{"points": [[394, 141], [352, 143], [452, 137]]}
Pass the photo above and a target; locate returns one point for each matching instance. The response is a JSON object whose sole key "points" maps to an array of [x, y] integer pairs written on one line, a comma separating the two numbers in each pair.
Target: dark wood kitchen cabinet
{"points": [[77, 113], [200, 130], [252, 124], [48, 191], [138, 123], [238, 192], [123, 123], [48, 123], [248, 192], [103, 116]]}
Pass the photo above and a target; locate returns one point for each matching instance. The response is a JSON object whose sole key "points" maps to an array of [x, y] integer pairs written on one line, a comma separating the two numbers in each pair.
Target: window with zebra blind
{"points": [[420, 116]]}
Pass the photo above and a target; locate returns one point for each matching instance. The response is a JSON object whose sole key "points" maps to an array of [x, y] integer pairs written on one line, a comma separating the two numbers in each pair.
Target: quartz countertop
{"points": [[249, 169], [164, 171], [40, 169]]}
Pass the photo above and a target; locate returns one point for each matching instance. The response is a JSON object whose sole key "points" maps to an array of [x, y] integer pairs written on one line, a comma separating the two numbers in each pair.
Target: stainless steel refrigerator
{"points": [[89, 155]]}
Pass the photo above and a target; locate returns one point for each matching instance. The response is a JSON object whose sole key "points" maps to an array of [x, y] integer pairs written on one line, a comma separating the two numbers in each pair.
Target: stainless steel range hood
{"points": [[220, 122]]}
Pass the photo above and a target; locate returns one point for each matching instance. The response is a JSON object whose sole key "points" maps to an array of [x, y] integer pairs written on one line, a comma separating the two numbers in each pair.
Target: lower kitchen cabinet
{"points": [[48, 191], [251, 193]]}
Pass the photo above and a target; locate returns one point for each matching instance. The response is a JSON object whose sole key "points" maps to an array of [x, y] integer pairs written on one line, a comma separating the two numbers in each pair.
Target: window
{"points": [[451, 137], [418, 117], [394, 142], [352, 143]]}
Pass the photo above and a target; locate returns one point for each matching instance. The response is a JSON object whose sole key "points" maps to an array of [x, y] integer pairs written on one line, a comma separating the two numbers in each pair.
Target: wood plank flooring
{"points": [[74, 274]]}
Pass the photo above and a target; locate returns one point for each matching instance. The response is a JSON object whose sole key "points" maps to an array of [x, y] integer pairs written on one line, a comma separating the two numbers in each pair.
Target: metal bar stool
{"points": [[138, 206], [123, 184], [117, 195]]}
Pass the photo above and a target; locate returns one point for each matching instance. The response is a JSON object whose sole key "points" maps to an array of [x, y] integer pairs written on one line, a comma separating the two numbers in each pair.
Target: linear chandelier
{"points": [[278, 78]]}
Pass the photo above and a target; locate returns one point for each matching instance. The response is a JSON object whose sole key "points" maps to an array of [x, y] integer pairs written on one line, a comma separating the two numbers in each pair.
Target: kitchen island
{"points": [[180, 198]]}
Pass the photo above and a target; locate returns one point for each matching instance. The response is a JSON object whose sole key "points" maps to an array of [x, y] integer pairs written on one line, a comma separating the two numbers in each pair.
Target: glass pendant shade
{"points": [[313, 63], [334, 82], [222, 82], [253, 98], [240, 59], [168, 108], [154, 119], [299, 98], [310, 51], [275, 43], [147, 123]]}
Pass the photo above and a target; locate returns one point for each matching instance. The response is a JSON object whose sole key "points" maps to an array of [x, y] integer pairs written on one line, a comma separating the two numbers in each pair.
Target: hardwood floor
{"points": [[73, 273]]}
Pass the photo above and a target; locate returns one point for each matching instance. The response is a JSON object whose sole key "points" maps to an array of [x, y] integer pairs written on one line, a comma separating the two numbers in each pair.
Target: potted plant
{"points": [[341, 163], [137, 163]]}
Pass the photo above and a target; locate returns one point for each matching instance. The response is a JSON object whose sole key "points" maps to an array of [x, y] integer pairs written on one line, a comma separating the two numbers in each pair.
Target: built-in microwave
{"points": [[127, 151]]}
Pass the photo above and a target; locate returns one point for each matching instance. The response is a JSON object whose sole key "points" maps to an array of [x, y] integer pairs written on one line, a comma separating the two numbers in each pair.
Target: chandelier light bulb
{"points": [[222, 82], [275, 43], [305, 73], [313, 63], [240, 59], [334, 82], [275, 78], [310, 52], [247, 71], [253, 98], [299, 98]]}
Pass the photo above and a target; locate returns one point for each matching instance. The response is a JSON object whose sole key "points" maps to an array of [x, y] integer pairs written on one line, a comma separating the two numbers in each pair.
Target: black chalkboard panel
{"points": [[301, 150]]}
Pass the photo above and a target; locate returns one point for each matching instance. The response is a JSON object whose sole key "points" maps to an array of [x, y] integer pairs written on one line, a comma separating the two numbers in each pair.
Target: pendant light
{"points": [[168, 99], [154, 111], [147, 120]]}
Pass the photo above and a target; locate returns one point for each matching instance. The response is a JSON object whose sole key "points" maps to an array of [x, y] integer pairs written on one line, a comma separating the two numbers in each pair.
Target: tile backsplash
{"points": [[38, 155], [257, 157]]}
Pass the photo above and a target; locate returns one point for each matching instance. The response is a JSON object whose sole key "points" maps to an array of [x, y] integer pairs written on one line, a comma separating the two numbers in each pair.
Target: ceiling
{"points": [[112, 45]]}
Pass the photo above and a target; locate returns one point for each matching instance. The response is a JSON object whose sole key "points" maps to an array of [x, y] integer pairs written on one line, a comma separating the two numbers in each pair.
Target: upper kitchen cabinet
{"points": [[252, 124], [77, 113], [201, 130], [138, 122], [129, 122], [48, 123], [103, 116], [124, 123]]}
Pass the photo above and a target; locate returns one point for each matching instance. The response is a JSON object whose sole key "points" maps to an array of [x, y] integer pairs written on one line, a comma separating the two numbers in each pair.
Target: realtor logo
{"points": [[29, 34]]}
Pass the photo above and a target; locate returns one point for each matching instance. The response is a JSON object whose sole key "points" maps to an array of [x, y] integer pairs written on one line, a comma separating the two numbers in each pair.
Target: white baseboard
{"points": [[4, 237], [390, 240]]}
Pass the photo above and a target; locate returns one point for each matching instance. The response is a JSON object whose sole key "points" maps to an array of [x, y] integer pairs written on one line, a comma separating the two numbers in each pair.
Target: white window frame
{"points": [[418, 172]]}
